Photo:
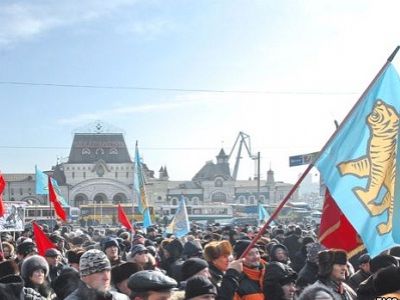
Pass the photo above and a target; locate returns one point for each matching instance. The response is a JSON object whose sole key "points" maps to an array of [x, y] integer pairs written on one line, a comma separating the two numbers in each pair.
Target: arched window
{"points": [[174, 201], [242, 199], [218, 182], [100, 198], [99, 151], [120, 198], [113, 151], [195, 200], [80, 199]]}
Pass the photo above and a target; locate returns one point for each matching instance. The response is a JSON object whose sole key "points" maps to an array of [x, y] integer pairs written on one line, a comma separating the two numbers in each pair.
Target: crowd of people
{"points": [[286, 263]]}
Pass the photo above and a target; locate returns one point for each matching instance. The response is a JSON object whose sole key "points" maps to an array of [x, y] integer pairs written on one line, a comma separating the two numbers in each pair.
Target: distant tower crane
{"points": [[244, 140]]}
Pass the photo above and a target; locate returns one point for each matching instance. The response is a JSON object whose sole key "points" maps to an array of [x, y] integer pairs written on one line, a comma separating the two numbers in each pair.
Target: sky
{"points": [[185, 77]]}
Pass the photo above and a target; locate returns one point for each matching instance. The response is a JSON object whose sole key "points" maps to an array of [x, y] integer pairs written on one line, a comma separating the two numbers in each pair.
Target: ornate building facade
{"points": [[99, 169]]}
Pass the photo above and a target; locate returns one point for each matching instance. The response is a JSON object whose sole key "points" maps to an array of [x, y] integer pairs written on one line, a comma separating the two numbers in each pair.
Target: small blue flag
{"points": [[180, 225]]}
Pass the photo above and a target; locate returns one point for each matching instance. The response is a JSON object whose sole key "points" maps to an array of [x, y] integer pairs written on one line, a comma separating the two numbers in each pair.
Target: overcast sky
{"points": [[280, 71]]}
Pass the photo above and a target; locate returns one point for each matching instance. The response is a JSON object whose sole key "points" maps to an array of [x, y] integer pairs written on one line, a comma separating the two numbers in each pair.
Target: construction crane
{"points": [[244, 140]]}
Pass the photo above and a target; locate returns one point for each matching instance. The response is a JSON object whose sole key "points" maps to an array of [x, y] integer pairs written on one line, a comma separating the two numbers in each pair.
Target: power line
{"points": [[182, 90]]}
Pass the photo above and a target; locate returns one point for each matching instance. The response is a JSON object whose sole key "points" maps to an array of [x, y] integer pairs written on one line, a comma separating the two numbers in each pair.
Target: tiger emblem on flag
{"points": [[379, 164]]}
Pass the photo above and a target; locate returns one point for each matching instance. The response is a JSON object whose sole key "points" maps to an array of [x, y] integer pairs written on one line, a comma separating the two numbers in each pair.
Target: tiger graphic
{"points": [[379, 163]]}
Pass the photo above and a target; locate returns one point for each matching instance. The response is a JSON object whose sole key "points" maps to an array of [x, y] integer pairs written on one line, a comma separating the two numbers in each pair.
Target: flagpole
{"points": [[318, 155]]}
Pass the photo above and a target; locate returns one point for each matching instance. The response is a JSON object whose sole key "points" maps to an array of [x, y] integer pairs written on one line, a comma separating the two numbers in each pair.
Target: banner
{"points": [[14, 217]]}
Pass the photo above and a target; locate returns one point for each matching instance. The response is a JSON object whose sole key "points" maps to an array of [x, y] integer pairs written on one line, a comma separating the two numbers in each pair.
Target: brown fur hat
{"points": [[326, 260], [215, 249]]}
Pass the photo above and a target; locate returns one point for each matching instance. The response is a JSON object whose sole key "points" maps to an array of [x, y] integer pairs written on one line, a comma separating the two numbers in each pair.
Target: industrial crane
{"points": [[244, 140]]}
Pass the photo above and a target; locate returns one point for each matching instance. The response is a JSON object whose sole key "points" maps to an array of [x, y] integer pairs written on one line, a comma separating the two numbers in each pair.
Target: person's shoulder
{"points": [[118, 296]]}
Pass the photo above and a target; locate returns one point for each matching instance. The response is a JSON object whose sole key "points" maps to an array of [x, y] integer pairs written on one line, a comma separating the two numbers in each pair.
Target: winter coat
{"points": [[347, 294], [16, 291], [83, 292], [307, 275], [251, 283], [173, 268], [358, 277], [216, 275]]}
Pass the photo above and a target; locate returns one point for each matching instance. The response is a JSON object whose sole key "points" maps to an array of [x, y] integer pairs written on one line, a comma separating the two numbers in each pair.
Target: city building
{"points": [[99, 170]]}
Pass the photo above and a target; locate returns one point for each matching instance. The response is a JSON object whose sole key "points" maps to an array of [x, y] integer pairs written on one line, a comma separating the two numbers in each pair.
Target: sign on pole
{"points": [[302, 159]]}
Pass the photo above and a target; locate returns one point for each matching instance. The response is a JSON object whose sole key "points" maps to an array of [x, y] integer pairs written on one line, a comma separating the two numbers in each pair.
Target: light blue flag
{"points": [[180, 225], [138, 186], [263, 215], [359, 165], [41, 182], [42, 187]]}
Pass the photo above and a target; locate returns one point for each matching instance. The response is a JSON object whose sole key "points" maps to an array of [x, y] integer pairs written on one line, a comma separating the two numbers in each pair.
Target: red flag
{"points": [[57, 206], [123, 219], [2, 187], [336, 231], [42, 241]]}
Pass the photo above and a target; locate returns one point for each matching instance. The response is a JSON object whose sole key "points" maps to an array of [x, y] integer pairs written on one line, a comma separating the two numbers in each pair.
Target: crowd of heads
{"points": [[213, 262]]}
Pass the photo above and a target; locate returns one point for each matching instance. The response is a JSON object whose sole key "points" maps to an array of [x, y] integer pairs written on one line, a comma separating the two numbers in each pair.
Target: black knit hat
{"points": [[192, 266], [33, 263], [124, 271], [109, 242], [198, 286], [240, 247], [192, 249]]}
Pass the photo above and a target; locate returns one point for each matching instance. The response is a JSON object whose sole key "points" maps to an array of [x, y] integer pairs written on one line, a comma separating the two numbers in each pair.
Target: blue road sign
{"points": [[303, 159]]}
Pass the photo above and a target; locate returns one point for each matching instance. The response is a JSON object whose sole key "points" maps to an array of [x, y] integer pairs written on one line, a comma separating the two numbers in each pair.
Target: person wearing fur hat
{"points": [[8, 251], [95, 274], [25, 249], [279, 253], [73, 256], [332, 267], [217, 254], [34, 271]]}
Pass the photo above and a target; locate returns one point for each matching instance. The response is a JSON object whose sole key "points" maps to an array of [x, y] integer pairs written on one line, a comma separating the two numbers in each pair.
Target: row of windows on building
{"points": [[21, 191], [89, 168], [84, 175], [99, 151]]}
